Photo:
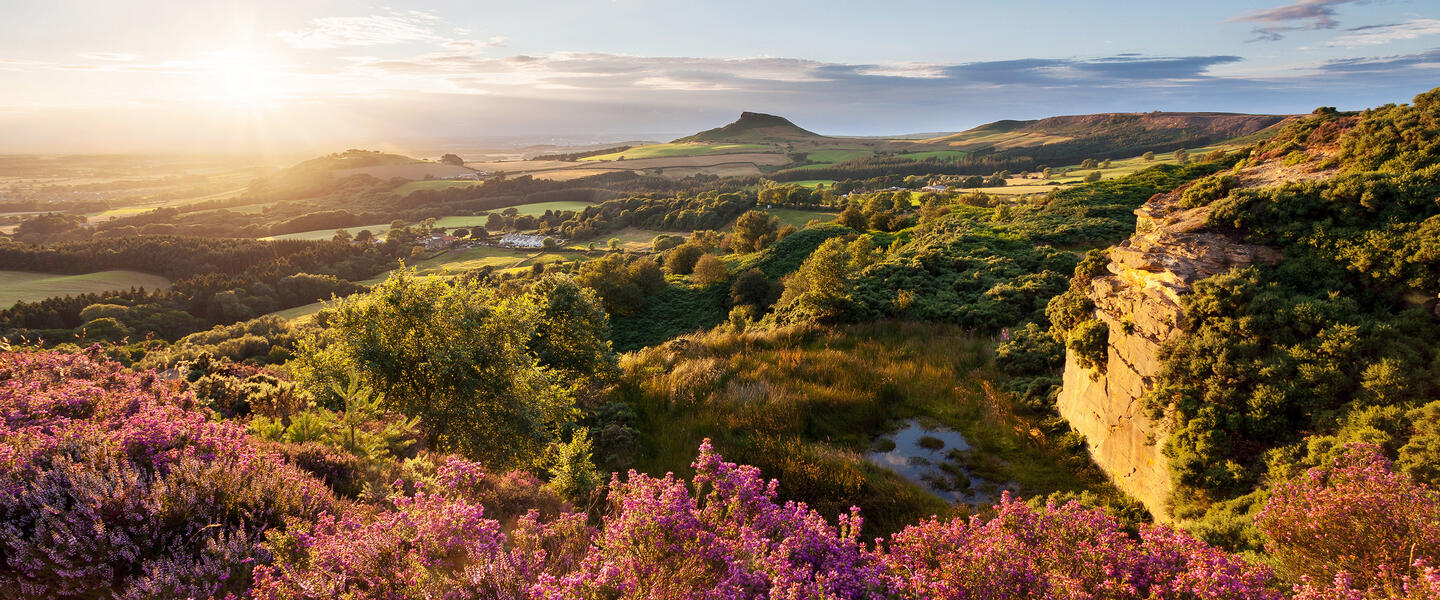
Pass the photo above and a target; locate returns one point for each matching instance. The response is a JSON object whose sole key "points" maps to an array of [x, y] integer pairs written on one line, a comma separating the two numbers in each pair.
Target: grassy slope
{"points": [[682, 308], [798, 218], [18, 286], [677, 149], [1118, 168], [405, 189], [804, 403]]}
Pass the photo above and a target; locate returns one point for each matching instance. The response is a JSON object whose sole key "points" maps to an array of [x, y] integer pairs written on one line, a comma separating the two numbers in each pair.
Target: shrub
{"points": [[1090, 341], [681, 260], [710, 270], [1356, 523], [116, 485], [1061, 552]]}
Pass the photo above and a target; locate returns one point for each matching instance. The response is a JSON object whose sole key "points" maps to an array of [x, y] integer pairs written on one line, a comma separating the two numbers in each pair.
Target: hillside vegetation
{"points": [[691, 397]]}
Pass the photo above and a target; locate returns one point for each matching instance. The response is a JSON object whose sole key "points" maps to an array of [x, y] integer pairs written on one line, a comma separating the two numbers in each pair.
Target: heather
{"points": [[116, 485], [121, 484], [1356, 528], [1065, 552]]}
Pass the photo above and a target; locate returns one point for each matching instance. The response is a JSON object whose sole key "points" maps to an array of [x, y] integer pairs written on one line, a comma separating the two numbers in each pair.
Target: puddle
{"points": [[922, 453]]}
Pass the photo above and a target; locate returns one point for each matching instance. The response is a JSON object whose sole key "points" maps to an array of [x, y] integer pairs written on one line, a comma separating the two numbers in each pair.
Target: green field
{"points": [[23, 286], [533, 210], [452, 262], [944, 154], [325, 234], [300, 311], [812, 183], [834, 156], [470, 221], [674, 150], [405, 189], [118, 212], [631, 238], [1118, 168], [799, 218]]}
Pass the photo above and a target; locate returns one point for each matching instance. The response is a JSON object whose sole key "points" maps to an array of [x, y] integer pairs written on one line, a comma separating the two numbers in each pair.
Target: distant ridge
{"points": [[755, 127], [1154, 127]]}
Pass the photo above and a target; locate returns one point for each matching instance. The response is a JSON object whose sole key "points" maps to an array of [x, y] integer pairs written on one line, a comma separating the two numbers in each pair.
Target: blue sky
{"points": [[91, 75]]}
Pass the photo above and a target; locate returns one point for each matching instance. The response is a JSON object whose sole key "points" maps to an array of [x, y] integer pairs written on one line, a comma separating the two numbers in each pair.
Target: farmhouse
{"points": [[935, 188], [438, 242]]}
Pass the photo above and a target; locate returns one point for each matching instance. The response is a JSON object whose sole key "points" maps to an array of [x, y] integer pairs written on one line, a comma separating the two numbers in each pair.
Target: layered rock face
{"points": [[1140, 302]]}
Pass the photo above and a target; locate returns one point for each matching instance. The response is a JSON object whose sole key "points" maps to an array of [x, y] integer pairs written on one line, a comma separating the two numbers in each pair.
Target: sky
{"points": [[241, 76]]}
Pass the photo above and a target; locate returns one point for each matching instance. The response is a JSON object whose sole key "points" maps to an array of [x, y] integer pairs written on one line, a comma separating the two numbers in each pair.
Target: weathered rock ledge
{"points": [[1140, 301]]}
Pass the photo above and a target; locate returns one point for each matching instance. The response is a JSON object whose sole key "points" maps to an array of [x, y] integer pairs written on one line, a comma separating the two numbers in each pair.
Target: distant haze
{"points": [[224, 76]]}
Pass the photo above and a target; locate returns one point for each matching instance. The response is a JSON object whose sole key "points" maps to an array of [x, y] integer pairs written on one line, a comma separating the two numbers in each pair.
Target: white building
{"points": [[525, 240]]}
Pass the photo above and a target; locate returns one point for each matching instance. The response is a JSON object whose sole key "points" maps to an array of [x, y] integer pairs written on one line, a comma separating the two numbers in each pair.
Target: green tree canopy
{"points": [[754, 230], [454, 355], [572, 333]]}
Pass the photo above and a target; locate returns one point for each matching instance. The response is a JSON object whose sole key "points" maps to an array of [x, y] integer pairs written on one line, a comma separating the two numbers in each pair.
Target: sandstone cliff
{"points": [[1140, 301]]}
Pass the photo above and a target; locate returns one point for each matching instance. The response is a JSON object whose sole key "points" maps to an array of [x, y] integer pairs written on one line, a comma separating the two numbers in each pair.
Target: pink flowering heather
{"points": [[729, 540], [111, 485], [1423, 584], [436, 544], [1064, 553], [1356, 529]]}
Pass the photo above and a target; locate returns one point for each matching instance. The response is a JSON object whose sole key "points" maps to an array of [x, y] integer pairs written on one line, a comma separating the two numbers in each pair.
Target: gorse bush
{"points": [[458, 357], [973, 270], [1395, 138], [1280, 364]]}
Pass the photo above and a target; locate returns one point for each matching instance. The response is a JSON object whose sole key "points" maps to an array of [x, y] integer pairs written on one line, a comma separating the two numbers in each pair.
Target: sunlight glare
{"points": [[240, 78]]}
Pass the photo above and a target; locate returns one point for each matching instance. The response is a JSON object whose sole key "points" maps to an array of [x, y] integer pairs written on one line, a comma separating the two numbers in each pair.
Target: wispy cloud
{"points": [[1376, 35], [109, 56], [374, 30], [1297, 16], [473, 45], [599, 71]]}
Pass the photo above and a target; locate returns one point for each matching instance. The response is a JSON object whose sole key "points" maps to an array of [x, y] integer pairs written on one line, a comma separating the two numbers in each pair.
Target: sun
{"points": [[240, 78]]}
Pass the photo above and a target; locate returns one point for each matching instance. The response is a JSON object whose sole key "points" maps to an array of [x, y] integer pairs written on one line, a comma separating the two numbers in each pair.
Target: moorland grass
{"points": [[804, 403]]}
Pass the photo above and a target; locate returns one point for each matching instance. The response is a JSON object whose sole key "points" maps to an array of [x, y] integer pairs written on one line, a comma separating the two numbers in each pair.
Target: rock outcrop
{"points": [[1140, 301]]}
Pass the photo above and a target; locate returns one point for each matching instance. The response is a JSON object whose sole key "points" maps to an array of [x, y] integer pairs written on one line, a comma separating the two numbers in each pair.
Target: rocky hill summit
{"points": [[754, 127]]}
